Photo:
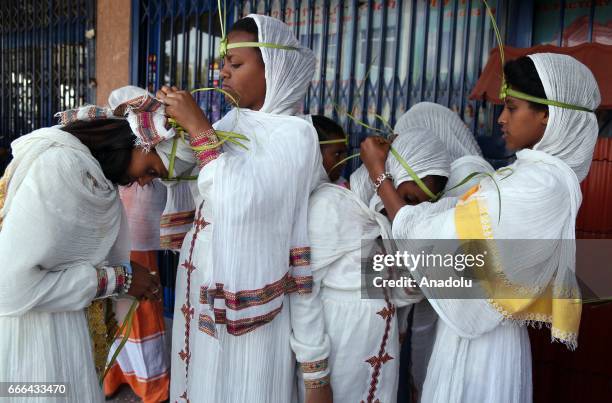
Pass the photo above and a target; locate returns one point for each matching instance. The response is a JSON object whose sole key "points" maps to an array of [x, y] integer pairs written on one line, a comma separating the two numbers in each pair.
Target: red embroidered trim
{"points": [[299, 256], [303, 284], [248, 298], [172, 241], [187, 309], [177, 219], [206, 324], [242, 326], [119, 279], [314, 366], [102, 282], [383, 357], [316, 383]]}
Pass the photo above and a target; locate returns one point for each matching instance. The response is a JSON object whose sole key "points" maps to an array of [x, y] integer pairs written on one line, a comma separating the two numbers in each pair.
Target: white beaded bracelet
{"points": [[381, 178]]}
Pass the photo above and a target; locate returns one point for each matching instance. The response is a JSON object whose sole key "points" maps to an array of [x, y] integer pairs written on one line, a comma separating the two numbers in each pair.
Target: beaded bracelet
{"points": [[102, 277], [381, 178], [205, 138]]}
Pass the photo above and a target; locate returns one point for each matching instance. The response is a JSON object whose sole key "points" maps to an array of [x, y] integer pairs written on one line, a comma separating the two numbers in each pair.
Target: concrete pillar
{"points": [[113, 38]]}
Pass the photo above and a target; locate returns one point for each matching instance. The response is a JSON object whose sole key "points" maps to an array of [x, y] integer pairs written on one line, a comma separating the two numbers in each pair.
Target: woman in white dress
{"points": [[482, 352], [63, 244], [363, 328], [248, 249]]}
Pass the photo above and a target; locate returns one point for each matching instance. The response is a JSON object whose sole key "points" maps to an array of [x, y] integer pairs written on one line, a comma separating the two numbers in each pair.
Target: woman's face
{"points": [[523, 126], [412, 193], [145, 166], [332, 155], [243, 73]]}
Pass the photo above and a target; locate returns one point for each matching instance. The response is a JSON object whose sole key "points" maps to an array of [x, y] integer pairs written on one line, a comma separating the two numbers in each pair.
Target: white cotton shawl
{"points": [[570, 135], [144, 223], [423, 152], [464, 152], [288, 72], [259, 196], [76, 210], [445, 124], [539, 200], [259, 202]]}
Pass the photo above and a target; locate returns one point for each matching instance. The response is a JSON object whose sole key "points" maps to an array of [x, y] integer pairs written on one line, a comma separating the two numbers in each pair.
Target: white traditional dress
{"points": [[481, 353], [248, 248], [466, 159], [365, 348], [61, 219]]}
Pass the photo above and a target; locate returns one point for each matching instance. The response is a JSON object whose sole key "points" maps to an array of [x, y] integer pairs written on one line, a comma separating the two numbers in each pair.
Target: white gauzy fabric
{"points": [[466, 158], [465, 155], [147, 133], [445, 124], [461, 168], [338, 223], [539, 201], [361, 184], [570, 135], [144, 207], [422, 151], [245, 235], [62, 218], [255, 205], [288, 72]]}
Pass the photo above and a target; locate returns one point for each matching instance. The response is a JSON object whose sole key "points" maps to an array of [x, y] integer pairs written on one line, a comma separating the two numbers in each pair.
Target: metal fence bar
{"points": [[338, 76], [368, 63], [412, 52], [438, 50], [591, 20], [398, 31], [561, 23], [381, 61], [323, 61], [451, 53], [422, 79], [466, 44]]}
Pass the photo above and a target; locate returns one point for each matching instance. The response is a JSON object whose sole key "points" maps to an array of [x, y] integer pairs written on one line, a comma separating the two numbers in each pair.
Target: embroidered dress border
{"points": [[172, 241], [248, 298], [206, 324], [177, 219], [243, 326], [316, 383], [314, 366], [299, 256]]}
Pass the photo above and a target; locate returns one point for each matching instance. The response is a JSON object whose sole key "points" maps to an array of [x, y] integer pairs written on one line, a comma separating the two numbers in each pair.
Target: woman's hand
{"points": [[374, 151], [181, 106], [144, 284], [319, 395]]}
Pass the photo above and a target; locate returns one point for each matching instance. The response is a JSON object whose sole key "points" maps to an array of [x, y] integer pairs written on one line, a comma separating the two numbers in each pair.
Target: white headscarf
{"points": [[257, 199], [288, 72], [422, 151], [570, 135], [445, 124], [466, 157], [59, 197], [538, 201]]}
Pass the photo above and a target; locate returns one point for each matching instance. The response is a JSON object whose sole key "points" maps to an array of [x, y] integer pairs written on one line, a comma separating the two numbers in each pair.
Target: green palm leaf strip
{"points": [[126, 328], [505, 90]]}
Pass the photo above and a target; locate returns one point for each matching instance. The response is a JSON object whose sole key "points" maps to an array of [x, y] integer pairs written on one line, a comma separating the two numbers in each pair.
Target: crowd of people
{"points": [[269, 302]]}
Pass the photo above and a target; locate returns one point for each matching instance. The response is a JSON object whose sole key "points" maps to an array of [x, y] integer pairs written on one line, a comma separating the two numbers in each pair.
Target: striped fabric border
{"points": [[177, 219]]}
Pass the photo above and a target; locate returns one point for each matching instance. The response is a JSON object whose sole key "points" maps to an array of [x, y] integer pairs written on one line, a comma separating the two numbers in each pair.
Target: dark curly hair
{"points": [[522, 76], [111, 142]]}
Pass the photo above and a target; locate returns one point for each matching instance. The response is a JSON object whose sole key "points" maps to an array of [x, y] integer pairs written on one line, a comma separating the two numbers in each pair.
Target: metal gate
{"points": [[414, 50], [46, 61]]}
